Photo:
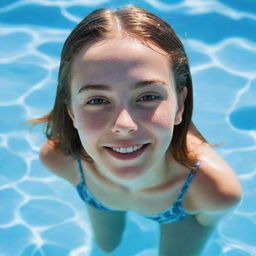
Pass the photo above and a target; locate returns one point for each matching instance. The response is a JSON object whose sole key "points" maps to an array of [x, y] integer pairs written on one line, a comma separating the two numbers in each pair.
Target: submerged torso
{"points": [[104, 194]]}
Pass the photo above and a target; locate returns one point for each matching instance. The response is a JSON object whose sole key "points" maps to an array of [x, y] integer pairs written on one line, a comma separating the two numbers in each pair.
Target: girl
{"points": [[121, 132]]}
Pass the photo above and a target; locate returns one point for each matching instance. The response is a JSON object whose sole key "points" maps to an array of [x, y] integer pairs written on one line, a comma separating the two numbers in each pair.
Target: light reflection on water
{"points": [[39, 210]]}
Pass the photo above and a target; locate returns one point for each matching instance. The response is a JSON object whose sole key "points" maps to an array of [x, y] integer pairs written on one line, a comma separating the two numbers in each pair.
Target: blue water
{"points": [[41, 214]]}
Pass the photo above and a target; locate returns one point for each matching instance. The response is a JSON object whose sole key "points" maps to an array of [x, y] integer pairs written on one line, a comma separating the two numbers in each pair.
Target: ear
{"points": [[181, 99], [71, 115]]}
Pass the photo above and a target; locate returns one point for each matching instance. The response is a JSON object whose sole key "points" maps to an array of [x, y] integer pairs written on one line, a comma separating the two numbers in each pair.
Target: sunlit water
{"points": [[41, 214]]}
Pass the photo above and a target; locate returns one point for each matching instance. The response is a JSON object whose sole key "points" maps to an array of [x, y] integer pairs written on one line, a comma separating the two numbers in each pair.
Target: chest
{"points": [[144, 203]]}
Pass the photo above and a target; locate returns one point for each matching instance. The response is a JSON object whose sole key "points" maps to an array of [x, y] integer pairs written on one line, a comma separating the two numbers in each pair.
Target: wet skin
{"points": [[123, 113]]}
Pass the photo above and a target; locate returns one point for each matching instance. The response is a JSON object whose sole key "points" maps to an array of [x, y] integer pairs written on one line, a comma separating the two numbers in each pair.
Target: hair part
{"points": [[103, 24]]}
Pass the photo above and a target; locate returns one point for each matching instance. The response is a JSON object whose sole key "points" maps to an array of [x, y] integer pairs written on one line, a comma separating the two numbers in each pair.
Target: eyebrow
{"points": [[138, 85]]}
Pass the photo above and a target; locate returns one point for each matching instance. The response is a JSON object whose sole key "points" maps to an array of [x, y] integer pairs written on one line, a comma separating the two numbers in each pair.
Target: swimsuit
{"points": [[172, 214]]}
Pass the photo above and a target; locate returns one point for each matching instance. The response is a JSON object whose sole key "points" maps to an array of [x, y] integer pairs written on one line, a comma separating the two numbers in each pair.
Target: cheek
{"points": [[91, 122], [163, 117]]}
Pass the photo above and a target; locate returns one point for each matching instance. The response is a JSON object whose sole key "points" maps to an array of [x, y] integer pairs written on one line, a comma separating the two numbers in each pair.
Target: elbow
{"points": [[236, 194], [233, 198]]}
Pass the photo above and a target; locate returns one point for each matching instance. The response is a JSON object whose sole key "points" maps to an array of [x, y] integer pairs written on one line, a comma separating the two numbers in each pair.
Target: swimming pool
{"points": [[41, 214]]}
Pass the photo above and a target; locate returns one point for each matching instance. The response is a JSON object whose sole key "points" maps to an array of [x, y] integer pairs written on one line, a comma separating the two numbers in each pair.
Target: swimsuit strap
{"points": [[188, 181], [80, 168]]}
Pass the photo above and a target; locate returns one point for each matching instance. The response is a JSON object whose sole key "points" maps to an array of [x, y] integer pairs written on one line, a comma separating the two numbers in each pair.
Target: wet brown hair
{"points": [[102, 24]]}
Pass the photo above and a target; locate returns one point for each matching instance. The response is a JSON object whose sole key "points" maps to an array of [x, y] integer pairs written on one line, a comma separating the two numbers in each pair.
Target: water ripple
{"points": [[42, 213]]}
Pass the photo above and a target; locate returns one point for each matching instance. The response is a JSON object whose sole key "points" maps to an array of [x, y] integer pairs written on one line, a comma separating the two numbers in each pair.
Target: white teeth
{"points": [[127, 150]]}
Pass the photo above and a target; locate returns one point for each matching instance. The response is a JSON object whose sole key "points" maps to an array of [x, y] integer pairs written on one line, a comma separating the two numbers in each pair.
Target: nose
{"points": [[124, 124]]}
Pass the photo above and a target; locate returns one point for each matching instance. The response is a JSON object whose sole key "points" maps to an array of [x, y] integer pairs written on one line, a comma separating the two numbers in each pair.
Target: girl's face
{"points": [[122, 95]]}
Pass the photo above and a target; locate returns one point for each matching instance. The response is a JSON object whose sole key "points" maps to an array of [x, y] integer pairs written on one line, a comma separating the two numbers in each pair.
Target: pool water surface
{"points": [[41, 214]]}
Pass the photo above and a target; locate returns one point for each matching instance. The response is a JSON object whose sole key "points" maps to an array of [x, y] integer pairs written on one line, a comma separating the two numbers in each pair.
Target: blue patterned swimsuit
{"points": [[172, 214]]}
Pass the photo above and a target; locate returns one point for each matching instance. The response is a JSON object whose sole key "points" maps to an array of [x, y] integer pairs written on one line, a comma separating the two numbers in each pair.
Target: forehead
{"points": [[120, 58]]}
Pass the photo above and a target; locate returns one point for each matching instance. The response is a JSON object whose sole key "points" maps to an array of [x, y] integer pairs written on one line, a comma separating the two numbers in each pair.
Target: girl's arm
{"points": [[216, 192], [189, 236], [61, 165]]}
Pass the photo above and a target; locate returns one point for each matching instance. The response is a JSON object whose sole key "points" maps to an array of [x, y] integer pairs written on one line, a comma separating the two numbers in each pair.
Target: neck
{"points": [[152, 178]]}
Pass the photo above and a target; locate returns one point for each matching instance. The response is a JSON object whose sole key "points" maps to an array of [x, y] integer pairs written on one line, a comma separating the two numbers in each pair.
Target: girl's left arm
{"points": [[217, 191], [189, 236]]}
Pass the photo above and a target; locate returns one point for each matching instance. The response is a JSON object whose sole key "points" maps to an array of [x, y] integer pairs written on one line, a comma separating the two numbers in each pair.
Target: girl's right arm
{"points": [[108, 227], [61, 165]]}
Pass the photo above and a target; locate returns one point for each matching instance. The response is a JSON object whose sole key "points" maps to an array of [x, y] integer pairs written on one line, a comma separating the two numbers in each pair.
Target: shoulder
{"points": [[58, 163], [217, 189]]}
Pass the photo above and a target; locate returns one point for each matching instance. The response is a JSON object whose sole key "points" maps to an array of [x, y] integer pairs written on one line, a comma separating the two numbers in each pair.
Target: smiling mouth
{"points": [[128, 149], [127, 155]]}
